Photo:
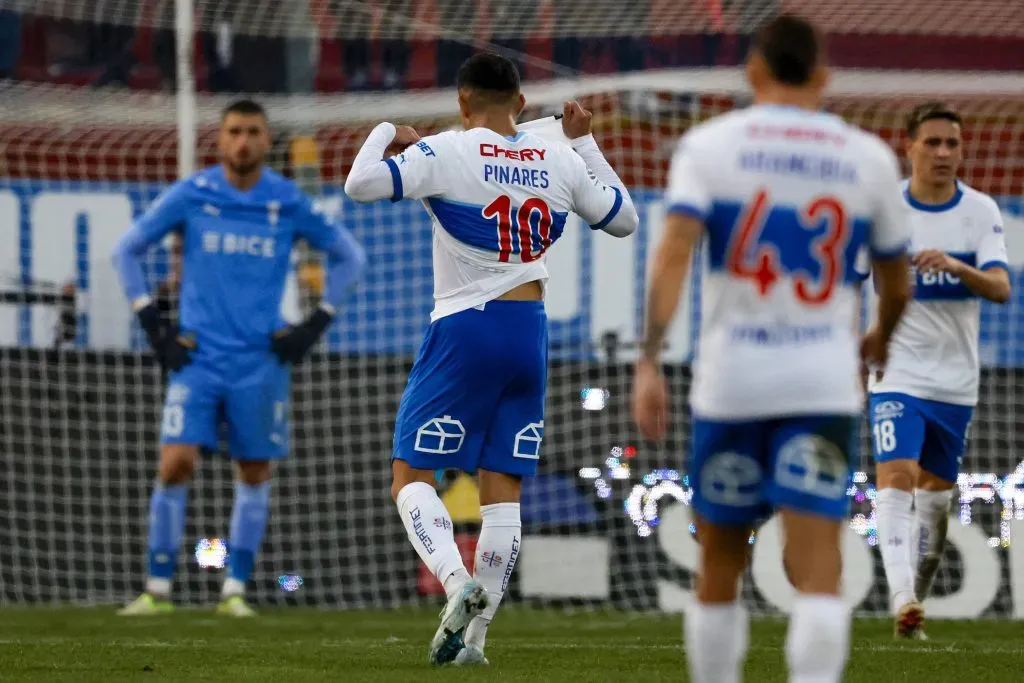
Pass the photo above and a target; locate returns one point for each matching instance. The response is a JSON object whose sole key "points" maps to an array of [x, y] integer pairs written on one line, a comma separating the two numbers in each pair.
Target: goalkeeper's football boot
{"points": [[910, 622], [455, 617], [234, 606], [146, 605], [471, 655]]}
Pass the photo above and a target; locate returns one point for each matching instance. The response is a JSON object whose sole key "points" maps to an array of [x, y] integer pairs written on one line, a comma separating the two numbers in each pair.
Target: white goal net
{"points": [[606, 521]]}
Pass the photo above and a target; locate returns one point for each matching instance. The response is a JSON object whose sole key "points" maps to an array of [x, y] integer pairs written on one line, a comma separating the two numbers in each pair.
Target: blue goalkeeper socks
{"points": [[166, 525], [248, 522]]}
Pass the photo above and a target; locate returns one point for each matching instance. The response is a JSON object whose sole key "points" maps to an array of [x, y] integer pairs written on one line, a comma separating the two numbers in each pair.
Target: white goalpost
{"points": [[606, 522]]}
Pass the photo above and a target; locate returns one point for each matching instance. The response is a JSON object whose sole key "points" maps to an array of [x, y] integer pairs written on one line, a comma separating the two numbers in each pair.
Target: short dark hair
{"points": [[491, 75], [246, 107], [927, 112], [791, 47]]}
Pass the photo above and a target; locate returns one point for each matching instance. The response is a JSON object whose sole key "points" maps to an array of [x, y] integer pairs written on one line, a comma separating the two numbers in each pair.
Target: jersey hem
{"points": [[775, 413], [890, 254], [994, 264], [925, 396], [687, 210], [442, 310]]}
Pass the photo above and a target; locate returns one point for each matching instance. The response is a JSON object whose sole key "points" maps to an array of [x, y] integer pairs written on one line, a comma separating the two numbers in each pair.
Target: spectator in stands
{"points": [[741, 17], [10, 42], [509, 23], [376, 37], [586, 49]]}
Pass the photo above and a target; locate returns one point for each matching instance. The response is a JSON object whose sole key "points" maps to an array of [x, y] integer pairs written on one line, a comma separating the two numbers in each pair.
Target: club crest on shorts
{"points": [[440, 436], [528, 441], [887, 410]]}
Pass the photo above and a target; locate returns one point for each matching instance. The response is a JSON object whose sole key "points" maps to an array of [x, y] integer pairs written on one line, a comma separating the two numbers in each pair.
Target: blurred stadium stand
{"points": [[355, 47]]}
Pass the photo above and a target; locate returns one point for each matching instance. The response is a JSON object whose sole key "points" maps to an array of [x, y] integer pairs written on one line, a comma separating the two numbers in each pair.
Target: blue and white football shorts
{"points": [[248, 392], [742, 471], [932, 433], [475, 396]]}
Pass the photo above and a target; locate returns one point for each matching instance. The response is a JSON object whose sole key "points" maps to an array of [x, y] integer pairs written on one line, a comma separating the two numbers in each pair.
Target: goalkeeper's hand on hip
{"points": [[294, 342], [173, 350]]}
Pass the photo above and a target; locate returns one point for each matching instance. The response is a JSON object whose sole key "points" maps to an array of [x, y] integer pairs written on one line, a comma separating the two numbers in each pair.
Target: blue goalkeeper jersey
{"points": [[236, 254]]}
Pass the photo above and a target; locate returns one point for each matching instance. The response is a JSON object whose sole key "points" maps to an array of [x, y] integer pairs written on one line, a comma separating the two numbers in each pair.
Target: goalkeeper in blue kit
{"points": [[229, 361]]}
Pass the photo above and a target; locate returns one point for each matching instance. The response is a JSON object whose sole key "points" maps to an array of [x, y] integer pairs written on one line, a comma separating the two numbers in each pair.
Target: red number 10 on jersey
{"points": [[533, 224]]}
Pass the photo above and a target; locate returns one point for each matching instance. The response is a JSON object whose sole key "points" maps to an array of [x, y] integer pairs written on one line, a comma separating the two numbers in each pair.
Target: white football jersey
{"points": [[787, 197], [497, 203], [934, 351]]}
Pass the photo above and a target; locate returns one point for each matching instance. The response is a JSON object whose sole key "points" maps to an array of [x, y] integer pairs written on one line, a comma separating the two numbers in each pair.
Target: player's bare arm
{"points": [[992, 284], [893, 296], [671, 263]]}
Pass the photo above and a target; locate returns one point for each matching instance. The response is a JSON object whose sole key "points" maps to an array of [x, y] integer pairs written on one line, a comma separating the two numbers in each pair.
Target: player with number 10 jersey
{"points": [[499, 198]]}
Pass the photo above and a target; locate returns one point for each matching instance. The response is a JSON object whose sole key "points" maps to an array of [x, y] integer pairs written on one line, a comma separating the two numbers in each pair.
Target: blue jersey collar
{"points": [[934, 208], [222, 177]]}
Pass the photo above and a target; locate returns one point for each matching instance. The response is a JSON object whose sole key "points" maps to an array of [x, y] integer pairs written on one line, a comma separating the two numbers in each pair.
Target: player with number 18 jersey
{"points": [[921, 405]]}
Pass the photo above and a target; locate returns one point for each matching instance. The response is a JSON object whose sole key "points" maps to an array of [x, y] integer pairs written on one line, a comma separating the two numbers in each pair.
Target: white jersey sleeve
{"points": [[991, 249], [687, 193], [890, 225], [422, 170], [594, 201], [417, 173]]}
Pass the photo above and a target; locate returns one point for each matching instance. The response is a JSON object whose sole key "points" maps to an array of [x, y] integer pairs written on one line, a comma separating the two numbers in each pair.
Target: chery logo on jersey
{"points": [[487, 150]]}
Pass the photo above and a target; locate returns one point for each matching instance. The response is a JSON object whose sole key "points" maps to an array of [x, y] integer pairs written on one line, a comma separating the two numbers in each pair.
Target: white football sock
{"points": [[818, 641], [716, 636], [429, 527], [496, 553], [895, 530], [931, 511], [231, 588], [160, 588]]}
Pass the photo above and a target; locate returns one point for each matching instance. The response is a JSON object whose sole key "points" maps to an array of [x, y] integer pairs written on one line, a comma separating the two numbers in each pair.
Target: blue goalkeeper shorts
{"points": [[248, 394], [931, 433], [742, 471], [475, 396]]}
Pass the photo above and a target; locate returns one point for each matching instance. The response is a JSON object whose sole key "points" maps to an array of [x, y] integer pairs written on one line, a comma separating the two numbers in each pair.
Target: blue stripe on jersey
{"points": [[994, 264], [611, 212], [396, 179], [466, 223], [783, 230], [943, 286]]}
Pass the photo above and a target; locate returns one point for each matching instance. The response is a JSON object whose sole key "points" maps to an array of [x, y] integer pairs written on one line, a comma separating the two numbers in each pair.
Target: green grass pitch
{"points": [[295, 646]]}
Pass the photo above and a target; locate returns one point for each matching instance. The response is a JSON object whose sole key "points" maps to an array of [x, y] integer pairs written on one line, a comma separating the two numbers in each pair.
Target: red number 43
{"points": [[764, 267]]}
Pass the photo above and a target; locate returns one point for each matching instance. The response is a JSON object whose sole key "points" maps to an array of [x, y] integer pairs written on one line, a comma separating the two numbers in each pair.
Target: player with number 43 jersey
{"points": [[921, 405], [783, 196], [499, 198]]}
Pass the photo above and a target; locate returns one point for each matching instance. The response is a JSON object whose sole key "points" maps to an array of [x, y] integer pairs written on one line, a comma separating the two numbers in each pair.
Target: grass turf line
{"points": [[300, 645]]}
